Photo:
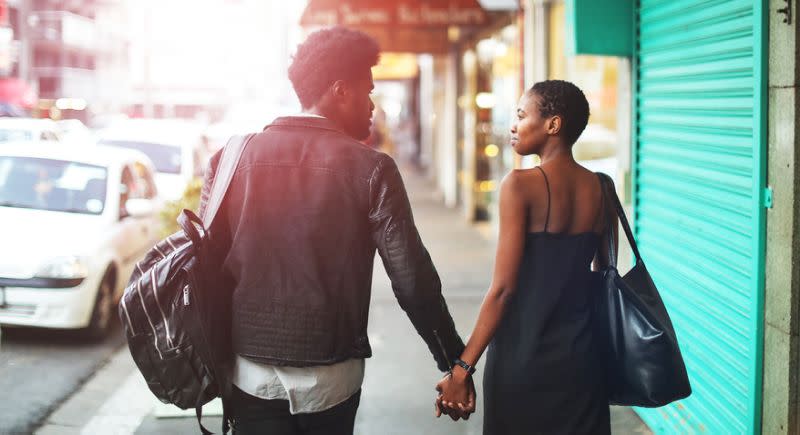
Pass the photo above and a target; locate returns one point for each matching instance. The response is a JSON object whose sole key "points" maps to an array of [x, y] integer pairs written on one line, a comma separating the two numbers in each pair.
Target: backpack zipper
{"points": [[186, 295]]}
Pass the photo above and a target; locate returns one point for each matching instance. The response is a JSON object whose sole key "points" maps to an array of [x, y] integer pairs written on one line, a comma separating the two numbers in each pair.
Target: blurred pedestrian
{"points": [[545, 365], [306, 210]]}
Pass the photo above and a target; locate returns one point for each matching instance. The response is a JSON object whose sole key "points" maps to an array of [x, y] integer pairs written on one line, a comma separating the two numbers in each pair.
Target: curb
{"points": [[114, 400]]}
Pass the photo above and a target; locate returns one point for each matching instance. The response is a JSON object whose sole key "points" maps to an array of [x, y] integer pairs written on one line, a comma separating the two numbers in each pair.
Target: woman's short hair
{"points": [[562, 98], [328, 55]]}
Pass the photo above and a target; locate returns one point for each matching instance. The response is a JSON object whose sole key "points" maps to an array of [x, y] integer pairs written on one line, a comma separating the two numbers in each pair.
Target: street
{"points": [[39, 369], [398, 391]]}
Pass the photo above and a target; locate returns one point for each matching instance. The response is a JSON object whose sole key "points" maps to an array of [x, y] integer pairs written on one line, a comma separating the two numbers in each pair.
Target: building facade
{"points": [[73, 54]]}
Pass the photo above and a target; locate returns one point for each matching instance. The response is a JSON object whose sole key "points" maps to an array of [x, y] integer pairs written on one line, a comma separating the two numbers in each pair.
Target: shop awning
{"points": [[415, 26]]}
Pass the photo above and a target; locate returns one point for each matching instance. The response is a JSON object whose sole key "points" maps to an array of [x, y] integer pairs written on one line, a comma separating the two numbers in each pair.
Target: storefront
{"points": [[492, 81], [698, 178], [395, 120], [490, 87]]}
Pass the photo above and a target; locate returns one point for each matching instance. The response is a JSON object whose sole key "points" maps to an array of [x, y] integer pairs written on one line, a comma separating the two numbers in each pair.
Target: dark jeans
{"points": [[254, 416]]}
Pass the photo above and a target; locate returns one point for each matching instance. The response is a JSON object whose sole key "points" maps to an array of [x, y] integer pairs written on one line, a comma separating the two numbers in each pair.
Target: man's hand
{"points": [[456, 395]]}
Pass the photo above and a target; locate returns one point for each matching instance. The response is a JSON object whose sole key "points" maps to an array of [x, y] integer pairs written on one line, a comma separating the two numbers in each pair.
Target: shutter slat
{"points": [[712, 30], [740, 144], [694, 14], [705, 103], [701, 155]]}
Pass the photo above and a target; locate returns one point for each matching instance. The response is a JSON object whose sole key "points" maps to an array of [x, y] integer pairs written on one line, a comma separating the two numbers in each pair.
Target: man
{"points": [[307, 208]]}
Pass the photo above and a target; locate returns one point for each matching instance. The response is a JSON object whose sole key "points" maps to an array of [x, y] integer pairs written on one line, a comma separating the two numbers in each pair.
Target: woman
{"points": [[544, 366]]}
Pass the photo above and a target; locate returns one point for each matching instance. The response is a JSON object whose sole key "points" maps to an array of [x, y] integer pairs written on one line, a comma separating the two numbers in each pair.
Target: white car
{"points": [[73, 131], [176, 148], [73, 222], [28, 129]]}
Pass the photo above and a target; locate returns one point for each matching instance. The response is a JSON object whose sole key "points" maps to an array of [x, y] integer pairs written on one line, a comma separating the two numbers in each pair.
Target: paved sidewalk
{"points": [[398, 389]]}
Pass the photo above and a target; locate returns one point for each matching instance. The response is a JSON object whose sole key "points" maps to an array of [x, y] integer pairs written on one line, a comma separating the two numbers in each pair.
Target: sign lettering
{"points": [[400, 13]]}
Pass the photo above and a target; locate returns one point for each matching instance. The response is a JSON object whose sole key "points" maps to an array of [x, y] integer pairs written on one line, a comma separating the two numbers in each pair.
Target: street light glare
{"points": [[485, 100]]}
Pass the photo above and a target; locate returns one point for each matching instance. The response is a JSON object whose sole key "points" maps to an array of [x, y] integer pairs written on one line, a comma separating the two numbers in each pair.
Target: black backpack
{"points": [[176, 308]]}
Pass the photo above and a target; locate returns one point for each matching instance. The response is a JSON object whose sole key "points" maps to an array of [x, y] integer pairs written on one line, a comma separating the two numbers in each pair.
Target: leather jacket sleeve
{"points": [[415, 282]]}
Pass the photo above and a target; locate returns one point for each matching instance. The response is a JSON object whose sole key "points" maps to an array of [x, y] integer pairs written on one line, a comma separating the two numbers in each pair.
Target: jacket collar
{"points": [[317, 122]]}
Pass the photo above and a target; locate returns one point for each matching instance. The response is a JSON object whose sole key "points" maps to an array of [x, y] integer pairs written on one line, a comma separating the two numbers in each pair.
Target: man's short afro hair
{"points": [[328, 55], [559, 97]]}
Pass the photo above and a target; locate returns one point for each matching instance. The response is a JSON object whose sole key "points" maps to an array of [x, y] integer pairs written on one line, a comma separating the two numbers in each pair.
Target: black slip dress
{"points": [[543, 371]]}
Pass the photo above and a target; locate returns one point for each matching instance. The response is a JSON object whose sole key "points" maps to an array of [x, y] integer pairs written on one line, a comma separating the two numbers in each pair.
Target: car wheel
{"points": [[103, 311]]}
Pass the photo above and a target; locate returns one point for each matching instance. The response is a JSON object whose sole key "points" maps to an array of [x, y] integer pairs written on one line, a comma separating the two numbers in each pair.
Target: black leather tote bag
{"points": [[644, 363]]}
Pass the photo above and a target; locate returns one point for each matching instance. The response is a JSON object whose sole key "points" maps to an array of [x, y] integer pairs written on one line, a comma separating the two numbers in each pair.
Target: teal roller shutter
{"points": [[699, 170]]}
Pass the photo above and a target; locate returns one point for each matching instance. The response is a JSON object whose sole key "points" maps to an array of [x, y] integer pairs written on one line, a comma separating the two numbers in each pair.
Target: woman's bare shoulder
{"points": [[523, 176], [524, 184]]}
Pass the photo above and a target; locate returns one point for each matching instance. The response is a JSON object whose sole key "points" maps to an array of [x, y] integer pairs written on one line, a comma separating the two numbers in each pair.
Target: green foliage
{"points": [[190, 200]]}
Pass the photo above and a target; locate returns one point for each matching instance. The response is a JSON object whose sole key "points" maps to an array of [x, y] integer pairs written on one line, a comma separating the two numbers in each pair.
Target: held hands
{"points": [[456, 397]]}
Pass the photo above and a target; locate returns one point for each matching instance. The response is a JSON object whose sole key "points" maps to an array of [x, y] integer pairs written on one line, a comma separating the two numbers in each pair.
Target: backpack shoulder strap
{"points": [[222, 179]]}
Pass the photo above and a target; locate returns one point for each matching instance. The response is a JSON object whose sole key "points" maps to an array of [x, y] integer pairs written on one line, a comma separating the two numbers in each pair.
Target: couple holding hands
{"points": [[322, 204]]}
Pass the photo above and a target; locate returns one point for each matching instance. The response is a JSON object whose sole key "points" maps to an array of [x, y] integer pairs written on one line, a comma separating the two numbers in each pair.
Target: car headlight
{"points": [[67, 267]]}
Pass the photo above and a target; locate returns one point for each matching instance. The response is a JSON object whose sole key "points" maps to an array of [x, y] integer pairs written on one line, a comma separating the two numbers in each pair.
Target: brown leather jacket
{"points": [[307, 208]]}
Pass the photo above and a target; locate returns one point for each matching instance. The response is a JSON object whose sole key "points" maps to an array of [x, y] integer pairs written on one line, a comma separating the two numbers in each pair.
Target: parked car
{"points": [[73, 221], [176, 148], [28, 129], [73, 131]]}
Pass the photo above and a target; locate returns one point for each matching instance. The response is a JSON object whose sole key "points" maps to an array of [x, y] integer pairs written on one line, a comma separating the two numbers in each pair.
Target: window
{"points": [[53, 185], [166, 158], [48, 86]]}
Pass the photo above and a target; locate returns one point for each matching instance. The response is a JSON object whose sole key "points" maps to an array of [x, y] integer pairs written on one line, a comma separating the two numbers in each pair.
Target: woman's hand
{"points": [[456, 395]]}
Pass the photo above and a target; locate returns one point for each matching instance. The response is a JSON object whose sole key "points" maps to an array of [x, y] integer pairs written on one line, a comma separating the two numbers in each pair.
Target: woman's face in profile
{"points": [[528, 132]]}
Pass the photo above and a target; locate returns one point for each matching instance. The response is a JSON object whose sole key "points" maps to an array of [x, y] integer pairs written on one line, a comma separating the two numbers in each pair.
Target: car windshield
{"points": [[166, 158], [54, 185], [10, 135]]}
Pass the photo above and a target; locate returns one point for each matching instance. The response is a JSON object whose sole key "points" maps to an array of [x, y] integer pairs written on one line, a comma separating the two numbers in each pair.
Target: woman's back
{"points": [[543, 361], [564, 198]]}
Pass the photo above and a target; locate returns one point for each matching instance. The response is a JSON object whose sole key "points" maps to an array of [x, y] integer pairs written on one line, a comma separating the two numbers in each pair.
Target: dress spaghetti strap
{"points": [[600, 214], [547, 184]]}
